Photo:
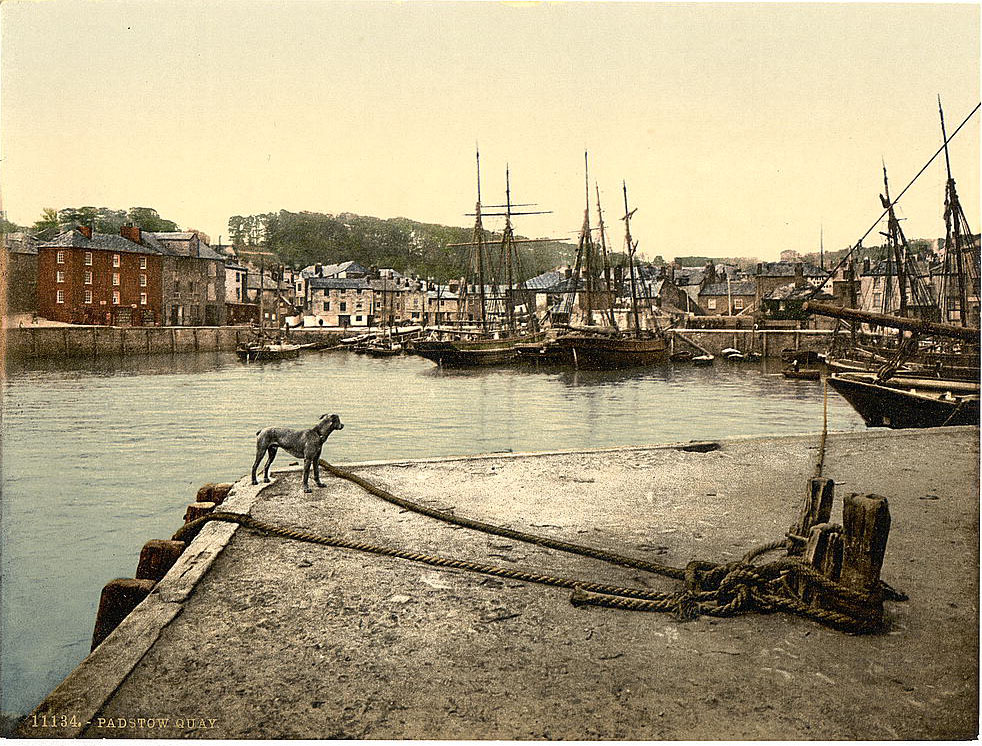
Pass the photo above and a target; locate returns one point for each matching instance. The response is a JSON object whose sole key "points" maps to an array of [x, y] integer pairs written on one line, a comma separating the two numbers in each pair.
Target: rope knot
{"points": [[735, 590]]}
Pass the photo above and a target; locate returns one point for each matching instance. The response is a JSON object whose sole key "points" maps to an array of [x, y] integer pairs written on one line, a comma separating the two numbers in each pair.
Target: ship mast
{"points": [[956, 227], [479, 241], [632, 245], [606, 260]]}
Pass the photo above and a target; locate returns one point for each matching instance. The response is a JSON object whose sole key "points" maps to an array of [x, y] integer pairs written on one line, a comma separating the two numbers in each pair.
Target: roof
{"points": [[104, 242], [339, 283], [790, 292], [786, 269], [330, 270], [735, 288], [178, 243], [442, 294], [20, 243], [252, 282], [546, 281]]}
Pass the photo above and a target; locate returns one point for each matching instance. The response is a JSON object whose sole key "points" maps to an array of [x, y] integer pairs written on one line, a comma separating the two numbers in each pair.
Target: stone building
{"points": [[340, 302], [20, 272], [193, 279]]}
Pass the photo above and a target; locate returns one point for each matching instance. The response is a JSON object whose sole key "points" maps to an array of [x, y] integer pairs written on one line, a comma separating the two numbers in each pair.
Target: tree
{"points": [[48, 225], [149, 220], [202, 236]]}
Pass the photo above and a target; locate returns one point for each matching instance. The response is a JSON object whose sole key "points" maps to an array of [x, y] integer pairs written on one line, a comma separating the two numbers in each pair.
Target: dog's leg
{"points": [[306, 475], [260, 452], [272, 455], [317, 470]]}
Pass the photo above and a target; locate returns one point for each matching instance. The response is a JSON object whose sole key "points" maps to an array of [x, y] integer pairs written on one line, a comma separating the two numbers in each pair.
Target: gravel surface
{"points": [[288, 640]]}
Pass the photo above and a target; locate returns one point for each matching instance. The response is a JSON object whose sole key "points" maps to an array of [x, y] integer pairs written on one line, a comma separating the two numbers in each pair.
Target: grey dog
{"points": [[305, 444]]}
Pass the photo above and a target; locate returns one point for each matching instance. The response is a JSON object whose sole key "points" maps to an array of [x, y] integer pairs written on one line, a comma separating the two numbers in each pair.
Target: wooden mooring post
{"points": [[157, 557], [118, 599], [851, 554]]}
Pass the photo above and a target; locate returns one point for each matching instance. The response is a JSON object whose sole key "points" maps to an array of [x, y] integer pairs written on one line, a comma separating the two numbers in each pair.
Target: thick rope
{"points": [[509, 533]]}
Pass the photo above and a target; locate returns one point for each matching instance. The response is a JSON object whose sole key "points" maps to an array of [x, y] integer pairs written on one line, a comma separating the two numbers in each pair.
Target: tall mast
{"points": [[606, 260], [479, 241], [631, 246], [509, 247], [586, 239], [952, 214], [895, 243]]}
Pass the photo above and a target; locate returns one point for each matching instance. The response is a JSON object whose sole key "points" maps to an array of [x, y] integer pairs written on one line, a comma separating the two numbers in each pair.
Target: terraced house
{"points": [[193, 279], [340, 302]]}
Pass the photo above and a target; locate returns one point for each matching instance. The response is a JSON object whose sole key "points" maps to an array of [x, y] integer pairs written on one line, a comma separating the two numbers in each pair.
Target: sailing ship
{"points": [[597, 347], [500, 329], [929, 378]]}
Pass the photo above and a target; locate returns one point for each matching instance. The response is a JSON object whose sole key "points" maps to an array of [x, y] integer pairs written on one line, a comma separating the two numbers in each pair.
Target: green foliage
{"points": [[101, 219], [149, 220], [410, 247]]}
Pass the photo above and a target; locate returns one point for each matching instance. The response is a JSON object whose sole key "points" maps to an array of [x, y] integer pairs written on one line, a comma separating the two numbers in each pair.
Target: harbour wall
{"points": [[767, 342], [99, 341]]}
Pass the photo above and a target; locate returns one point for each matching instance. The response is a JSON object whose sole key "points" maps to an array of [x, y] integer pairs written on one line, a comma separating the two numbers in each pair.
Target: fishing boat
{"points": [[703, 361], [605, 349], [264, 349], [500, 328], [682, 356], [908, 402]]}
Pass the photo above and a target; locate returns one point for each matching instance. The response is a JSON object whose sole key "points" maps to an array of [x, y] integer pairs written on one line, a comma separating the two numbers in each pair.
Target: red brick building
{"points": [[86, 278]]}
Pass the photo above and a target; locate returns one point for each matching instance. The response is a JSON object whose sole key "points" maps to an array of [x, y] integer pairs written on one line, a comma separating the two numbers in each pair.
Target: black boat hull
{"points": [[606, 353], [887, 406]]}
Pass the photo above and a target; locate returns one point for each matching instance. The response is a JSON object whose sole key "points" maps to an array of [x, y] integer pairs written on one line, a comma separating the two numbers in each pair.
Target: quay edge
{"points": [[342, 645]]}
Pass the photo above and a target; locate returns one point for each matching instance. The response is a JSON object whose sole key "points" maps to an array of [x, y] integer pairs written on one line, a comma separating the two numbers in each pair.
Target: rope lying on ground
{"points": [[710, 589]]}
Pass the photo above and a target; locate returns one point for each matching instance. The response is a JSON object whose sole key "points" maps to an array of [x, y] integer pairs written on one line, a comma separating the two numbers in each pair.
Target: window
{"points": [[59, 276], [143, 281], [327, 305], [711, 305], [343, 307], [212, 271], [211, 291], [88, 296], [60, 296], [115, 297], [143, 299], [115, 260], [88, 277], [60, 258], [143, 262], [88, 258], [358, 318], [115, 278], [738, 304]]}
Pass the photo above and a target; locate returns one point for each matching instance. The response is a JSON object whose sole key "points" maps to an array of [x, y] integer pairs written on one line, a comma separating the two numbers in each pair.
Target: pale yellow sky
{"points": [[740, 128]]}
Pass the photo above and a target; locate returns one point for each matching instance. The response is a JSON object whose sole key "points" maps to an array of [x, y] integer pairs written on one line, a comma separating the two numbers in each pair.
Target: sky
{"points": [[740, 129]]}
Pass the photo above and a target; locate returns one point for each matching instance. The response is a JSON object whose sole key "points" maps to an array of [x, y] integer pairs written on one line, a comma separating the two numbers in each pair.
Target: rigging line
{"points": [[896, 199]]}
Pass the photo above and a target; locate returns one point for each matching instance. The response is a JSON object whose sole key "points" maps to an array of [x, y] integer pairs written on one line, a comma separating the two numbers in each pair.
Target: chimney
{"points": [[85, 230], [131, 233], [799, 275], [318, 270], [760, 268], [671, 273], [567, 272], [866, 265]]}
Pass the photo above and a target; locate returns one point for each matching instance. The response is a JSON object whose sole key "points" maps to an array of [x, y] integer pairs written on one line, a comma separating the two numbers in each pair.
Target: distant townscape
{"points": [[100, 267]]}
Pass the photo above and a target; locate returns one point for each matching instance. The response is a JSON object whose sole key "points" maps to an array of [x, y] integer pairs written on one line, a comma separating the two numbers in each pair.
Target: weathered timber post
{"points": [[215, 493], [118, 599], [157, 557], [865, 528], [815, 509], [823, 551], [196, 510]]}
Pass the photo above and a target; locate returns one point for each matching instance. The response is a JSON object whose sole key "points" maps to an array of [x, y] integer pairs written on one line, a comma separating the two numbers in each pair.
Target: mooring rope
{"points": [[710, 589]]}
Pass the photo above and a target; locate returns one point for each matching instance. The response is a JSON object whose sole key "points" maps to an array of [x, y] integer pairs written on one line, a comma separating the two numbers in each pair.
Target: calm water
{"points": [[100, 456]]}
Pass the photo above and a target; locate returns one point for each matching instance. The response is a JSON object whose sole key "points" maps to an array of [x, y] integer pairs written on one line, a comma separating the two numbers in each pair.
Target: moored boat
{"points": [[257, 353], [907, 403]]}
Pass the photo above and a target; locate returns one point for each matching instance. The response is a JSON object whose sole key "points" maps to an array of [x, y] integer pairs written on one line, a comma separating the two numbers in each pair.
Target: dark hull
{"points": [[543, 352], [605, 353], [263, 353], [802, 375], [888, 406], [471, 354]]}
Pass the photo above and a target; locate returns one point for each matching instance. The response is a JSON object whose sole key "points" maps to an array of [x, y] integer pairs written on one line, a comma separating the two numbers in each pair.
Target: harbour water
{"points": [[101, 455]]}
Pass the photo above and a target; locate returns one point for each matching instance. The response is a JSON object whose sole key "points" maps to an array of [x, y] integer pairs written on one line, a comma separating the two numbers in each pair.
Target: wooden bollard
{"points": [[865, 528], [823, 551], [816, 509], [118, 599], [220, 492], [157, 557], [205, 493], [196, 510]]}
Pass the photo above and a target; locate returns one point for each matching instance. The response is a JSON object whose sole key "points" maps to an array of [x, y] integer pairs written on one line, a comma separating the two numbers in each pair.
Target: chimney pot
{"points": [[85, 230]]}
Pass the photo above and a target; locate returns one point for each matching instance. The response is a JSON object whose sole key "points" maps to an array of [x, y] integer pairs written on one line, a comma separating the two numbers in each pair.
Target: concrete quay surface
{"points": [[252, 636]]}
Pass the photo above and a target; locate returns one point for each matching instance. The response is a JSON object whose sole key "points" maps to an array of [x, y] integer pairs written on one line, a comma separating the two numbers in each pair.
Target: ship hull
{"points": [[605, 353], [892, 406], [459, 354]]}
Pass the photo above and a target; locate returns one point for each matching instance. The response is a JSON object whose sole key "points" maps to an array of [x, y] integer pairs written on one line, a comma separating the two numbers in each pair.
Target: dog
{"points": [[305, 444]]}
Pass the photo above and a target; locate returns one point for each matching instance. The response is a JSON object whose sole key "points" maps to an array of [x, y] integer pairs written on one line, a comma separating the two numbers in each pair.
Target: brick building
{"points": [[98, 278]]}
